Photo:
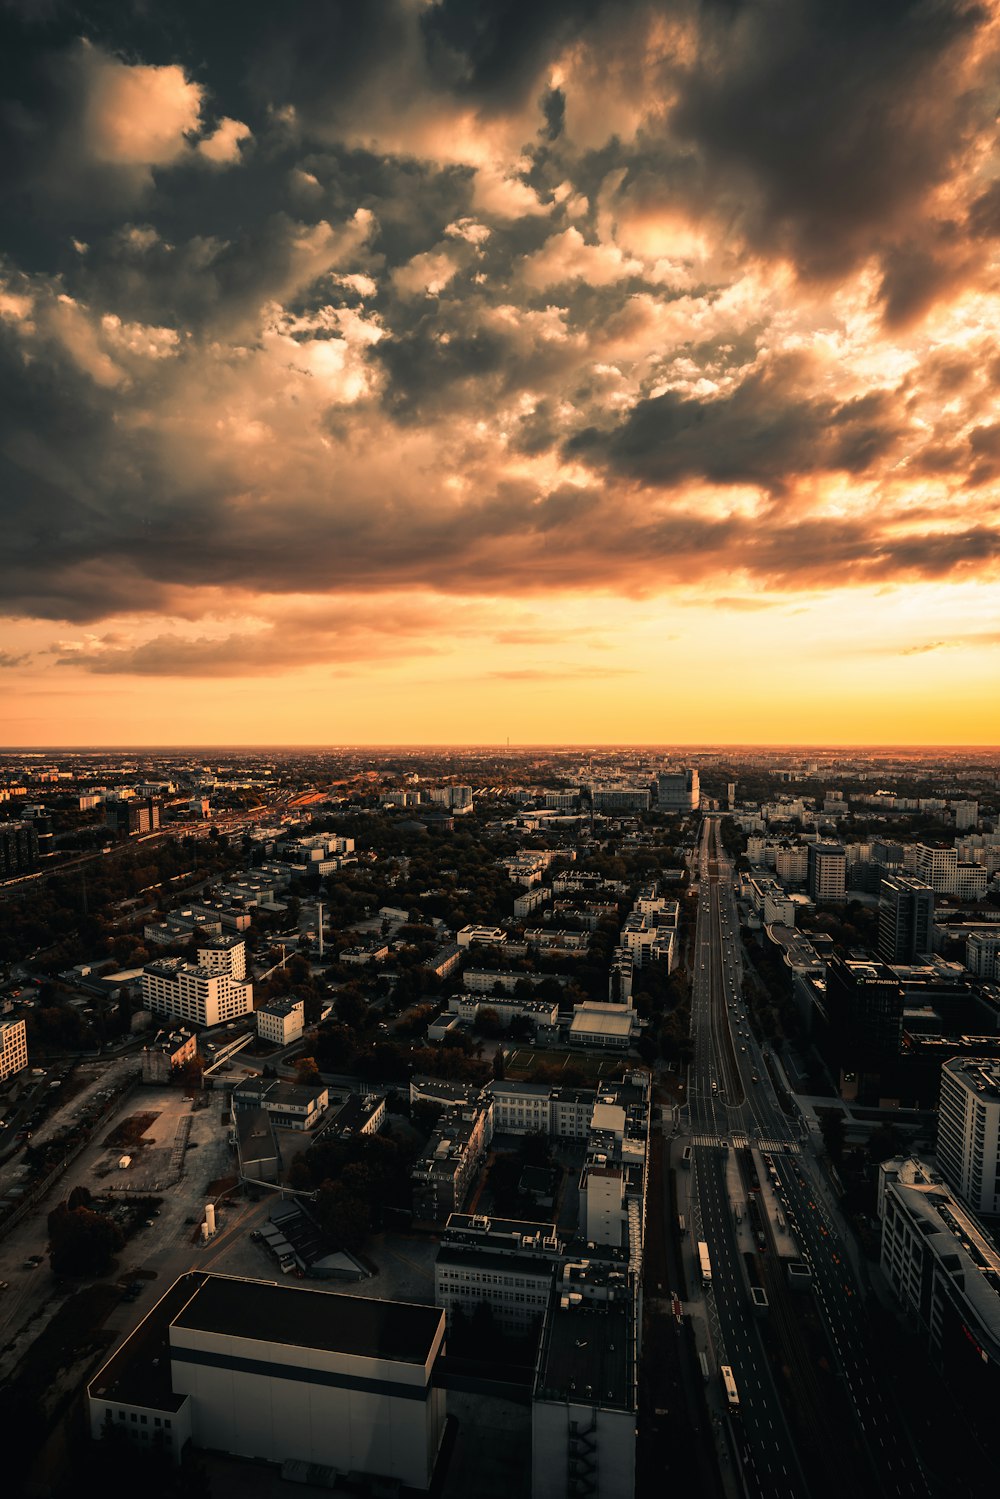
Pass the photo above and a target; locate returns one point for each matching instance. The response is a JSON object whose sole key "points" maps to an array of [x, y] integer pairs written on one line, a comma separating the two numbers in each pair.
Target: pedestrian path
{"points": [[742, 1141]]}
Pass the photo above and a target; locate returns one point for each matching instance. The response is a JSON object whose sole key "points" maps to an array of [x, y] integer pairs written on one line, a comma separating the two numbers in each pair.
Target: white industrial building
{"points": [[279, 1374], [611, 1026]]}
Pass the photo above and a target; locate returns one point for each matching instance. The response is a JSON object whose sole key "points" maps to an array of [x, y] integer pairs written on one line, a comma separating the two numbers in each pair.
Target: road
{"points": [[732, 1104]]}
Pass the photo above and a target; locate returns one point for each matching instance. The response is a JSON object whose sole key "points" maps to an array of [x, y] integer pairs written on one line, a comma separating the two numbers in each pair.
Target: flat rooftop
{"points": [[138, 1373], [586, 1357], [398, 1331]]}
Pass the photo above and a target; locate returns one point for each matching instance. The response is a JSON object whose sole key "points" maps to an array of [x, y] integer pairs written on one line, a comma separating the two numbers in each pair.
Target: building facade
{"points": [[186, 991], [968, 1144], [276, 1374], [905, 919], [13, 1048]]}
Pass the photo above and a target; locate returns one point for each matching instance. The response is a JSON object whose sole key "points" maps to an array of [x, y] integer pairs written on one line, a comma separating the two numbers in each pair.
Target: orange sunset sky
{"points": [[428, 372]]}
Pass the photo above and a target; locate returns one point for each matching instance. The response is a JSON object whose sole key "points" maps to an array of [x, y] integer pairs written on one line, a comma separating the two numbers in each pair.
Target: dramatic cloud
{"points": [[536, 305]]}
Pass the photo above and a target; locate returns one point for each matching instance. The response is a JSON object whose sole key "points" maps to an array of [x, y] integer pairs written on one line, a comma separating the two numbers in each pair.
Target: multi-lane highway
{"points": [[732, 1105]]}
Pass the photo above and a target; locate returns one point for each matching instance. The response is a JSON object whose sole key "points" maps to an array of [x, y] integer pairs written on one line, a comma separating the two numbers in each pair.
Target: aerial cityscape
{"points": [[500, 749], [574, 1119]]}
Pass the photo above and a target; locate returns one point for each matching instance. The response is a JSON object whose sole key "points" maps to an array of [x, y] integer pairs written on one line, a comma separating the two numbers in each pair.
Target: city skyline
{"points": [[443, 373]]}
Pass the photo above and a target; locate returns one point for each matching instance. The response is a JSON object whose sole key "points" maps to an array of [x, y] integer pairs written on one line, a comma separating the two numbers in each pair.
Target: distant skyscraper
{"points": [[827, 871], [905, 918], [731, 795], [966, 816], [678, 790]]}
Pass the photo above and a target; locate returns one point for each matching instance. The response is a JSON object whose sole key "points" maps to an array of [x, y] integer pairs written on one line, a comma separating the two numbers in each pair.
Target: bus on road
{"points": [[729, 1385], [706, 1263]]}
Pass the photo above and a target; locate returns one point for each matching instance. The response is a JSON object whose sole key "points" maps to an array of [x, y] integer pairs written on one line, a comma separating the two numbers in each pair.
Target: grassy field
{"points": [[522, 1064]]}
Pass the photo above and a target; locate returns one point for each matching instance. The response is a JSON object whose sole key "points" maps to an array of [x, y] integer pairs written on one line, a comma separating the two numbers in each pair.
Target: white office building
{"points": [[936, 867], [281, 1021], [189, 992], [968, 1145]]}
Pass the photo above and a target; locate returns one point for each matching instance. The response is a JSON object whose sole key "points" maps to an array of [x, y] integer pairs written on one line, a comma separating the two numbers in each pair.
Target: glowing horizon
{"points": [[433, 374]]}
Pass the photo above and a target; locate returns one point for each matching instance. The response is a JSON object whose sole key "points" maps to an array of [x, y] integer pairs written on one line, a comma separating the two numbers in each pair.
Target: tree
{"points": [[343, 1217], [82, 1242], [831, 1123], [306, 1072]]}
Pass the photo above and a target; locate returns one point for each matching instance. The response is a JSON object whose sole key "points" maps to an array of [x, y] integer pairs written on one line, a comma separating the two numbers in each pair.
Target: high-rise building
{"points": [[968, 1143], [865, 1006], [827, 871], [678, 790], [18, 848], [966, 816], [193, 993], [944, 1268], [905, 918], [936, 867]]}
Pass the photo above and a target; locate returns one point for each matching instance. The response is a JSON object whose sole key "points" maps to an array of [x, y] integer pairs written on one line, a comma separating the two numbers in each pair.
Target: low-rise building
{"points": [[289, 1105], [281, 1020], [614, 1027], [506, 1263], [480, 936], [446, 1170], [166, 1054], [359, 1114]]}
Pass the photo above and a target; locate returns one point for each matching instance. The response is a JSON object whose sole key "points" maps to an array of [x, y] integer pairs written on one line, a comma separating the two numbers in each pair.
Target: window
{"points": [[135, 1418]]}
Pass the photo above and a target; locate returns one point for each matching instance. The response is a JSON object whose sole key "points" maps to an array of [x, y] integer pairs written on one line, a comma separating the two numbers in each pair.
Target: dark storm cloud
{"points": [[407, 333], [835, 120], [764, 433]]}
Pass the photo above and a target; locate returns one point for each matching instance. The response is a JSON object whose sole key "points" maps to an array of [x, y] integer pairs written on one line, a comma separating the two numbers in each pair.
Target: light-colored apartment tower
{"points": [[968, 1146]]}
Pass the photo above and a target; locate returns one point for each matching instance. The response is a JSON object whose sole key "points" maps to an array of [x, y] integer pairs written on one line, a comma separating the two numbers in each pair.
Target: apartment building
{"points": [[224, 955], [945, 1272], [13, 1048], [968, 1144], [982, 953], [827, 871]]}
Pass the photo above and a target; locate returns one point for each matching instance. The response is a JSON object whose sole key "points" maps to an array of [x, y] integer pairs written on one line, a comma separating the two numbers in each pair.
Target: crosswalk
{"points": [[741, 1141]]}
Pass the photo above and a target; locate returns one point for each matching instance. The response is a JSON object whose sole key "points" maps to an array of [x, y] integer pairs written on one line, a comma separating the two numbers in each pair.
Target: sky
{"points": [[429, 371]]}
